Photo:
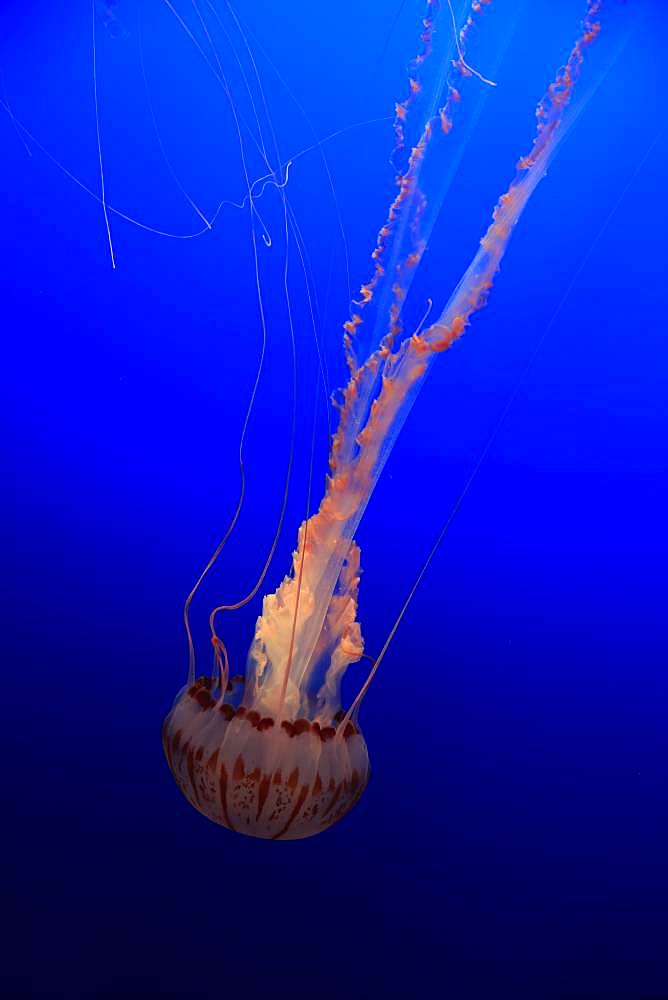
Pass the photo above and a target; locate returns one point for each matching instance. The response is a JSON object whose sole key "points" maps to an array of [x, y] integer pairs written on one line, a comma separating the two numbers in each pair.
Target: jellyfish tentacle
{"points": [[408, 238], [301, 248], [403, 108], [267, 180], [318, 142], [281, 517], [471, 293], [460, 38], [354, 708], [260, 142], [359, 452], [473, 289], [103, 196], [293, 627], [400, 243], [291, 227], [158, 135]]}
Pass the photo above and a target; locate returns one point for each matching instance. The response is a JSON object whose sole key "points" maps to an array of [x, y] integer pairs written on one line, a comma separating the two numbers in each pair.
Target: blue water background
{"points": [[513, 834]]}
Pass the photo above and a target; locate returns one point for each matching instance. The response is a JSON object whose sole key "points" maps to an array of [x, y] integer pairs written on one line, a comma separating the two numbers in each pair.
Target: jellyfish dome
{"points": [[273, 755]]}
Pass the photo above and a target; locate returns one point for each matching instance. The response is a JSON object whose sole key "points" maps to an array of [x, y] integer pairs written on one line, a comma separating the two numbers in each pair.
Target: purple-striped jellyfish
{"points": [[273, 754]]}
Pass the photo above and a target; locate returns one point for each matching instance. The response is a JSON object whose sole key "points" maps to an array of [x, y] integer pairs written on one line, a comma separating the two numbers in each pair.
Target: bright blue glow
{"points": [[516, 728]]}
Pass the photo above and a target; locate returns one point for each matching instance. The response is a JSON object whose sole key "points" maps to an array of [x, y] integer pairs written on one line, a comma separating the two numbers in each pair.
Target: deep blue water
{"points": [[512, 838]]}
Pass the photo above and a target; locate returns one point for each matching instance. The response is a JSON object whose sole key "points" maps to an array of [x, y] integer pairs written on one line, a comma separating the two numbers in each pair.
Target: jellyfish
{"points": [[273, 754]]}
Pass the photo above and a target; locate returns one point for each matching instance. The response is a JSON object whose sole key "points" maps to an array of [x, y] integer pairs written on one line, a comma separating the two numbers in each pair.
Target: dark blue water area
{"points": [[512, 840]]}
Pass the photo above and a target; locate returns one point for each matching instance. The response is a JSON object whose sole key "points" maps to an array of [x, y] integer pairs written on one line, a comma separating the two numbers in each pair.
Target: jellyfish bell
{"points": [[273, 754], [279, 780]]}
